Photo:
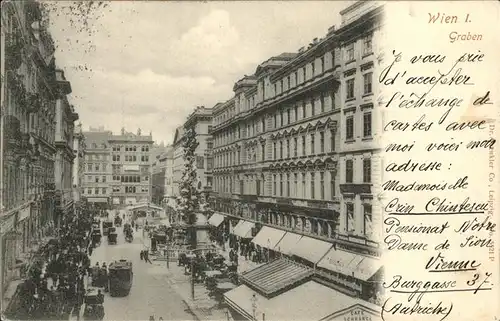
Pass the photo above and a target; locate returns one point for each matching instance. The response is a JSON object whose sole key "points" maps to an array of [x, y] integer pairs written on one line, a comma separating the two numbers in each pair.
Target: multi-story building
{"points": [[79, 148], [277, 141], [296, 151], [28, 106], [97, 169], [359, 161], [131, 168], [65, 117], [159, 167]]}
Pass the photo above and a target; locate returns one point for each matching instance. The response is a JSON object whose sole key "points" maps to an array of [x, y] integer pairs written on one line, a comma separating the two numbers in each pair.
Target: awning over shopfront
{"points": [[243, 229], [143, 206], [97, 200], [312, 249], [367, 268], [291, 305], [268, 237], [342, 262], [288, 243], [216, 219]]}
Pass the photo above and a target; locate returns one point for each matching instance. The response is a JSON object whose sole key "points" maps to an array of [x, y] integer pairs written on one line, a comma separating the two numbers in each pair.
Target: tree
{"points": [[189, 200]]}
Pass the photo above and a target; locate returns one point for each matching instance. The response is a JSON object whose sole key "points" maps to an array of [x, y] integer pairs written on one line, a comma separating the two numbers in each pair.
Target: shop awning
{"points": [[338, 261], [97, 200], [216, 219], [367, 268], [291, 304], [268, 237], [312, 249], [288, 243], [243, 229]]}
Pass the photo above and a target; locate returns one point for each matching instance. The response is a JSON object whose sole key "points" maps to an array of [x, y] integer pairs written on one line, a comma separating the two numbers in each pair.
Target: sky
{"points": [[149, 64]]}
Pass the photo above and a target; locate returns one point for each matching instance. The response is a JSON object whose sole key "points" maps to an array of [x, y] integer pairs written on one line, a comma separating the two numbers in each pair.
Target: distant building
{"points": [[159, 166], [96, 184], [131, 168]]}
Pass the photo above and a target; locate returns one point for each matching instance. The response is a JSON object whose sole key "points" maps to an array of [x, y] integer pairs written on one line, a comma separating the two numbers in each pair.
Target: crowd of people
{"points": [[55, 283]]}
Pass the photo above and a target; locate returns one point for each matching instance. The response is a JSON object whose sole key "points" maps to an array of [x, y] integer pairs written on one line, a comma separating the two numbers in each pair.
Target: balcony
{"points": [[351, 188], [13, 48], [12, 131], [33, 102]]}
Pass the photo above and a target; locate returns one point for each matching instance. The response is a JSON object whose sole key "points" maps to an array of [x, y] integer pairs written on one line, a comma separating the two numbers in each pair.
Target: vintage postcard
{"points": [[250, 160]]}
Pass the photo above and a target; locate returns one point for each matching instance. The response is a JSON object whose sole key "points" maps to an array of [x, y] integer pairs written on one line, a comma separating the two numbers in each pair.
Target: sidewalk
{"points": [[243, 265], [203, 306]]}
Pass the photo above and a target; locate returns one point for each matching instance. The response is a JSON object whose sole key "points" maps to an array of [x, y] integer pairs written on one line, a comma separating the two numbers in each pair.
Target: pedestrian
{"points": [[142, 254], [146, 257]]}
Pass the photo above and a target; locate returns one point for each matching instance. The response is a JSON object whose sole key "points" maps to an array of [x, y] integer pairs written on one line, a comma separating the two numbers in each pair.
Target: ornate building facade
{"points": [[65, 118], [32, 94], [296, 150], [131, 170], [97, 168], [276, 143]]}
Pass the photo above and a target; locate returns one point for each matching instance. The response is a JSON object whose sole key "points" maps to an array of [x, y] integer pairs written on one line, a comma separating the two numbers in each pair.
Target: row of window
{"points": [[130, 158], [367, 86], [308, 108], [96, 179], [290, 147], [101, 145], [127, 148], [299, 112], [283, 149], [96, 191], [367, 48], [300, 75], [367, 126], [97, 167], [282, 188], [293, 184], [91, 157], [367, 219], [129, 178]]}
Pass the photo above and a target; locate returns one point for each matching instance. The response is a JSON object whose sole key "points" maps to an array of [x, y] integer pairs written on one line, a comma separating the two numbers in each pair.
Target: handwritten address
{"points": [[432, 209]]}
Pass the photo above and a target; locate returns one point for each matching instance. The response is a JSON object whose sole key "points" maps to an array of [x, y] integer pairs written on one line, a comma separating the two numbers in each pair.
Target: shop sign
{"points": [[357, 312]]}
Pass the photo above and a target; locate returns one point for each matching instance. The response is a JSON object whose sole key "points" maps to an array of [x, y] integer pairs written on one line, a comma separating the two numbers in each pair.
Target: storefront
{"points": [[353, 271], [328, 304]]}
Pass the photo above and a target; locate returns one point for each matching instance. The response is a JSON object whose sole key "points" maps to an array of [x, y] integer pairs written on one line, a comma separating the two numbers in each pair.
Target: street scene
{"points": [[218, 167]]}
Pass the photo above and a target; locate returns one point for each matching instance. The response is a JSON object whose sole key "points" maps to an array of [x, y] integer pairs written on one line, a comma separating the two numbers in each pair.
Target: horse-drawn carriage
{"points": [[96, 236], [105, 227], [120, 277], [112, 237], [94, 309]]}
